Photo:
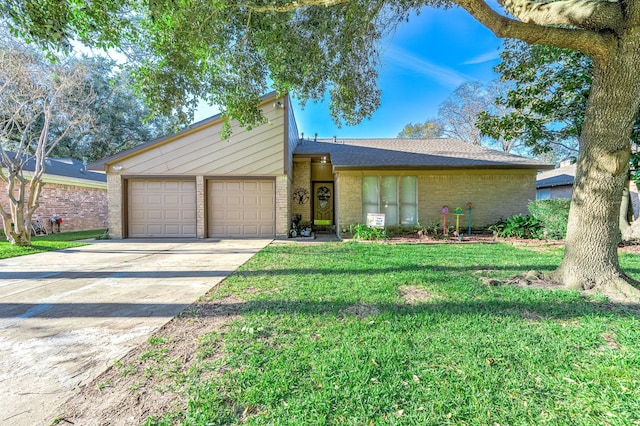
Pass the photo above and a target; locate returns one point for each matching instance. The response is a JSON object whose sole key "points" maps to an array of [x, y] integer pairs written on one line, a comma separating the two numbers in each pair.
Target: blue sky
{"points": [[424, 61]]}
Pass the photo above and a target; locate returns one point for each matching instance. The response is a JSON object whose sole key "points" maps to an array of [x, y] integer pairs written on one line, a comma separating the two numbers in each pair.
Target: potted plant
{"points": [[305, 229]]}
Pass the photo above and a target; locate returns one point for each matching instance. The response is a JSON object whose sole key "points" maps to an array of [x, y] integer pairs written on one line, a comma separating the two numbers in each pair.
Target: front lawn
{"points": [[42, 243], [377, 334]]}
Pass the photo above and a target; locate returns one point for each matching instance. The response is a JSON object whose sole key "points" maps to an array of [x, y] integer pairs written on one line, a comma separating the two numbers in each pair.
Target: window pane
{"points": [[369, 196], [408, 200], [543, 194], [389, 199]]}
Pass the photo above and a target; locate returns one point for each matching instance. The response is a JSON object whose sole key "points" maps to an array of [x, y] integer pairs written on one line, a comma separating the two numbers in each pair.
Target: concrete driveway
{"points": [[66, 316]]}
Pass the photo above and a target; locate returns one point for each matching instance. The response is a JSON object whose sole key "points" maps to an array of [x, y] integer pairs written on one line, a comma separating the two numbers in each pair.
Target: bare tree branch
{"points": [[40, 104]]}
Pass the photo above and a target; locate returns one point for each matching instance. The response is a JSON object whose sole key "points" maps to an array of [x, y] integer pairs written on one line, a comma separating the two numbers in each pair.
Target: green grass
{"points": [[43, 243], [326, 338]]}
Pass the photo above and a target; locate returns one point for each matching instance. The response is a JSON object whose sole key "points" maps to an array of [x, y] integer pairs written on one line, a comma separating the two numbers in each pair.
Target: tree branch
{"points": [[591, 43], [587, 14], [290, 6]]}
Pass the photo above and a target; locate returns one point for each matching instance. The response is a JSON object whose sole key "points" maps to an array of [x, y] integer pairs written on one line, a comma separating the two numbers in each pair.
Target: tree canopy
{"points": [[429, 129], [119, 117]]}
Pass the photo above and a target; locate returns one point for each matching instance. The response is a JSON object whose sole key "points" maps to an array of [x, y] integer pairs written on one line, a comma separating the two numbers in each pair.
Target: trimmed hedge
{"points": [[553, 214]]}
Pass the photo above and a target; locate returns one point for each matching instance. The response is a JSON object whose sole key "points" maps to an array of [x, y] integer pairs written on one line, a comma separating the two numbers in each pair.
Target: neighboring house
{"points": [[72, 193], [556, 183], [193, 184]]}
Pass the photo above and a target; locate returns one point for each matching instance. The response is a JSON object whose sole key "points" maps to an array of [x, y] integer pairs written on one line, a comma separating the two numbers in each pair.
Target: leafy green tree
{"points": [[547, 100], [120, 118], [430, 129], [547, 103], [229, 53]]}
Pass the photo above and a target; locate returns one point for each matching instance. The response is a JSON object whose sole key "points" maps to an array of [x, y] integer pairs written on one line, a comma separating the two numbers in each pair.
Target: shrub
{"points": [[553, 214], [518, 226], [402, 231], [364, 232]]}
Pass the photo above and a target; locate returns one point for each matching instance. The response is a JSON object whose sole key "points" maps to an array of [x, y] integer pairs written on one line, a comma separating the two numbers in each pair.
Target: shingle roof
{"points": [[412, 153], [66, 168], [557, 177], [561, 180]]}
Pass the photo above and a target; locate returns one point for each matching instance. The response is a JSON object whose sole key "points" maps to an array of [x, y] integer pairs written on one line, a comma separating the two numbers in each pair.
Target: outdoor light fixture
{"points": [[117, 167], [323, 160]]}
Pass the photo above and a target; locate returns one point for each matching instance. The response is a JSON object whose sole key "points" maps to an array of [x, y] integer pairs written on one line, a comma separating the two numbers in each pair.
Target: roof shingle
{"points": [[412, 153]]}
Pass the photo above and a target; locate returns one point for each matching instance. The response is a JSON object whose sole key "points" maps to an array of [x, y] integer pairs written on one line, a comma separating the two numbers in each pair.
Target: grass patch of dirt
{"points": [[414, 295]]}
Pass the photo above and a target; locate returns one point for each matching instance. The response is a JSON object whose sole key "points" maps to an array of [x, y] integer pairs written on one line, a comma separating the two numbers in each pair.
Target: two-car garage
{"points": [[167, 208]]}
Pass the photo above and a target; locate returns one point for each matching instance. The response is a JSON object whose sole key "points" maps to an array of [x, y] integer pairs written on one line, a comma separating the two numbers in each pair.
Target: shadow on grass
{"points": [[545, 310], [220, 308]]}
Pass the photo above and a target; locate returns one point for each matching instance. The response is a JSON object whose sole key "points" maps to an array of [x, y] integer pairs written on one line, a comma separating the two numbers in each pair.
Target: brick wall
{"points": [[201, 207], [495, 194], [283, 211], [114, 195], [80, 208], [302, 179], [349, 200]]}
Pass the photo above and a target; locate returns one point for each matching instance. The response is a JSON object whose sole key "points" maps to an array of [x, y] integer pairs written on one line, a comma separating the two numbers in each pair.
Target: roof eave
{"points": [[434, 167]]}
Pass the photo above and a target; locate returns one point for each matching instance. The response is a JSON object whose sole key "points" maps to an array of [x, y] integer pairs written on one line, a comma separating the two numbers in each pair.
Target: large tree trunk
{"points": [[591, 256]]}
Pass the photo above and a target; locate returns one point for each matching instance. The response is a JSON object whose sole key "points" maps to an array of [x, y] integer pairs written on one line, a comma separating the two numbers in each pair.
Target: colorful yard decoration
{"points": [[458, 213], [470, 208], [445, 212]]}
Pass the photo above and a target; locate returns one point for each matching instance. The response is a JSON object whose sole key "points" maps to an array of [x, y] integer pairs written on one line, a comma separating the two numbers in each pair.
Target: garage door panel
{"points": [[162, 208], [172, 215], [173, 230], [241, 208], [153, 185], [250, 186], [251, 230], [234, 186], [252, 216], [155, 199], [154, 214]]}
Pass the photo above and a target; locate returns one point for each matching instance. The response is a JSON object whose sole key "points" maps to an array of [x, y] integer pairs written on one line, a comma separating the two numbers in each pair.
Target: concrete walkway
{"points": [[66, 316]]}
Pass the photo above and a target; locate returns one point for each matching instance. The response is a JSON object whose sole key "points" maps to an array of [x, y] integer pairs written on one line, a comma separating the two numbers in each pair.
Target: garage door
{"points": [[241, 208], [162, 208]]}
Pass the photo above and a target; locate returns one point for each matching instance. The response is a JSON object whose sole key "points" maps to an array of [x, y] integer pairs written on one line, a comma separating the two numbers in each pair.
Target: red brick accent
{"points": [[79, 207]]}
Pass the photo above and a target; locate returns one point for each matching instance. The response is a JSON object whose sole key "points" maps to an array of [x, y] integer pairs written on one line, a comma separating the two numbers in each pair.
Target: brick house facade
{"points": [[195, 184], [81, 208], [369, 176], [72, 193]]}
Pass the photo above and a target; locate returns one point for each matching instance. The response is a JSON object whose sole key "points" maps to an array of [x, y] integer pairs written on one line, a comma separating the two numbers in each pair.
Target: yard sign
{"points": [[375, 220]]}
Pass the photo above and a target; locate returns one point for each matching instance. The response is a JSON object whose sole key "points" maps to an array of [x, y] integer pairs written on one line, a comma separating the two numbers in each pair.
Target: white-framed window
{"points": [[395, 196]]}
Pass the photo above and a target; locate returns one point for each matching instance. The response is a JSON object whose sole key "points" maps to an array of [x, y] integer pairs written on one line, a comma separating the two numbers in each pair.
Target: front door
{"points": [[323, 203]]}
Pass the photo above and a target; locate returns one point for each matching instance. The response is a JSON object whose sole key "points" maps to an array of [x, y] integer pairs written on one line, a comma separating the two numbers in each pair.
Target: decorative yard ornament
{"points": [[445, 212], [470, 209], [301, 196], [458, 213]]}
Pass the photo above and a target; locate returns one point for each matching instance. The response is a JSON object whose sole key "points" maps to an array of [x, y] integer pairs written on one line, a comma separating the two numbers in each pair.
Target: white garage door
{"points": [[162, 208], [241, 208]]}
